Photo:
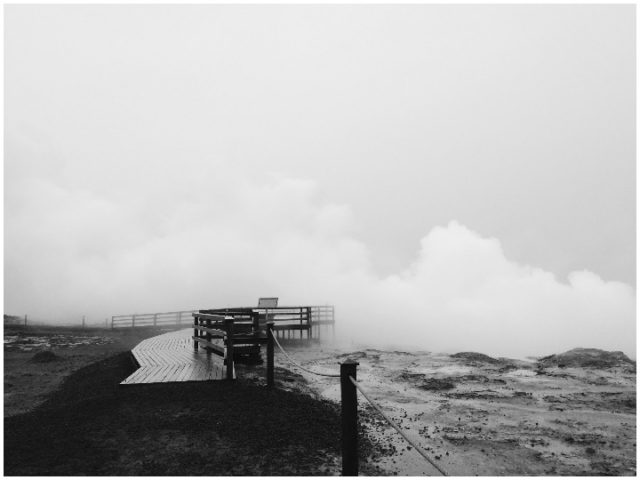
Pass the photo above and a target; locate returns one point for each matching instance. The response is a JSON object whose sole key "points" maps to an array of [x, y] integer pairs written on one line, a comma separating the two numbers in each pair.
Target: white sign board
{"points": [[270, 302]]}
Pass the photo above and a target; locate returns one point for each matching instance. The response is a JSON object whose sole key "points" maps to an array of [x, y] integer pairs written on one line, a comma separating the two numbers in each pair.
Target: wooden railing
{"points": [[164, 319], [309, 321], [207, 328], [243, 330]]}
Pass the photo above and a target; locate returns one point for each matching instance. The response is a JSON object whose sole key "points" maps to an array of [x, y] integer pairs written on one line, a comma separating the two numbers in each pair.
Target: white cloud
{"points": [[230, 240]]}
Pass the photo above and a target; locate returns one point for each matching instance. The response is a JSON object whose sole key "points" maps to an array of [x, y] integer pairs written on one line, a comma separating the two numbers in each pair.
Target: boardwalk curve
{"points": [[170, 357]]}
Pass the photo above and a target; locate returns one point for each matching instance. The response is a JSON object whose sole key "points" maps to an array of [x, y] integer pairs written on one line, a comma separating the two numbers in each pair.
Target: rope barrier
{"points": [[373, 404], [300, 366], [418, 449]]}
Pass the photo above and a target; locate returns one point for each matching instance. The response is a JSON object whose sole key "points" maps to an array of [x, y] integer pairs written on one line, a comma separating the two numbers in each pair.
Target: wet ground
{"points": [[478, 417], [473, 415]]}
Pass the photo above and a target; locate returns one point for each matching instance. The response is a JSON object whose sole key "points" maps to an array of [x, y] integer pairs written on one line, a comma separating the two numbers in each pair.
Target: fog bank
{"points": [[71, 252]]}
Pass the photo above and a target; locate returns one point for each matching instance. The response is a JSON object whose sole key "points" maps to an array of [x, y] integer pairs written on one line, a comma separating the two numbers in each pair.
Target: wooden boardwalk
{"points": [[170, 358]]}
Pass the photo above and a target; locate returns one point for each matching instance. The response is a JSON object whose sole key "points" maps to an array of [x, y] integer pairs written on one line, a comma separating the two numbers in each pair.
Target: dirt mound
{"points": [[45, 356], [420, 380], [586, 357], [475, 357]]}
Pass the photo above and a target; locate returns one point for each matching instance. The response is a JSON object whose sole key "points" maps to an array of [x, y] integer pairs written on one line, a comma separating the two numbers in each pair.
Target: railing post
{"points": [[310, 323], [255, 323], [155, 319], [112, 322], [195, 333], [208, 336], [228, 324], [270, 354], [179, 318], [133, 321], [349, 399]]}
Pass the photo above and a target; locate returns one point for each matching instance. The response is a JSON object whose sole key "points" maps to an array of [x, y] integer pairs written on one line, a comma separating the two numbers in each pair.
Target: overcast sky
{"points": [[470, 168]]}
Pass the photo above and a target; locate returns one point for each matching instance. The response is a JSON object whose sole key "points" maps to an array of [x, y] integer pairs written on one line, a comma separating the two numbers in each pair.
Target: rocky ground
{"points": [[570, 414], [567, 414]]}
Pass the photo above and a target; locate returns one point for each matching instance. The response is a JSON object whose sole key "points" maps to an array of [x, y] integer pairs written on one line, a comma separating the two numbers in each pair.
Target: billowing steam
{"points": [[220, 238]]}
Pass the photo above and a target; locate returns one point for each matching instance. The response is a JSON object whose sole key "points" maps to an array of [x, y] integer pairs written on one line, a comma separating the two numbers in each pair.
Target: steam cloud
{"points": [[222, 237]]}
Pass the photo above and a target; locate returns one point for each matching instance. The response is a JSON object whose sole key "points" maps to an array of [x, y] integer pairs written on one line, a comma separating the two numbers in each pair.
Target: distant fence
{"points": [[55, 322], [164, 319], [309, 321]]}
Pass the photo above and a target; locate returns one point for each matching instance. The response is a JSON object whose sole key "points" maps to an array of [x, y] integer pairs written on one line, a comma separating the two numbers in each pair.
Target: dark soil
{"points": [[93, 426]]}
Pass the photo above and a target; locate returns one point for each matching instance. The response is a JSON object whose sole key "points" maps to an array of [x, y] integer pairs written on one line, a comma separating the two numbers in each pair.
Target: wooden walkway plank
{"points": [[170, 358]]}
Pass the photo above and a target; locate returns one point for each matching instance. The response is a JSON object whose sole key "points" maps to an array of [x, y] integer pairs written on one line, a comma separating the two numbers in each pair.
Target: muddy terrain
{"points": [[567, 414], [571, 414]]}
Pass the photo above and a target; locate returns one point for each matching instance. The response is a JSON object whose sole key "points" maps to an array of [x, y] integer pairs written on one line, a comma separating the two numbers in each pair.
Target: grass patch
{"points": [[92, 426]]}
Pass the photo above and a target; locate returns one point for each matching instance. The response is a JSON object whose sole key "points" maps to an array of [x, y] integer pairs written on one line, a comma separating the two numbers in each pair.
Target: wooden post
{"points": [[208, 336], [255, 323], [228, 326], [112, 323], [133, 321], [195, 334], [83, 322], [155, 319], [310, 332], [349, 399], [179, 318], [270, 343], [301, 324], [25, 320]]}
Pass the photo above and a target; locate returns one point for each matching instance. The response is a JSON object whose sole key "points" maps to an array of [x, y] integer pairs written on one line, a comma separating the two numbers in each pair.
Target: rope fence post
{"points": [[228, 326], [270, 354], [349, 400]]}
